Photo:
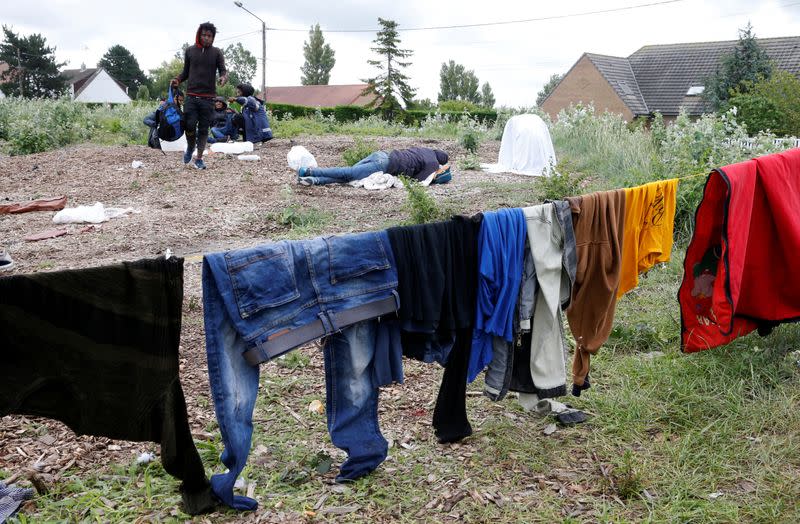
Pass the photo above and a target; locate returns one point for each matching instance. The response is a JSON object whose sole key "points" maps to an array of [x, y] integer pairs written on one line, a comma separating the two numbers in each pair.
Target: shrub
{"points": [[470, 162], [143, 93], [470, 140], [350, 113], [561, 182], [603, 145], [421, 206], [770, 105], [360, 150], [458, 106]]}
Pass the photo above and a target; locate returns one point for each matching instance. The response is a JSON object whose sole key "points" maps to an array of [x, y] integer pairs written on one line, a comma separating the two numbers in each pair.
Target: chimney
{"points": [[83, 66]]}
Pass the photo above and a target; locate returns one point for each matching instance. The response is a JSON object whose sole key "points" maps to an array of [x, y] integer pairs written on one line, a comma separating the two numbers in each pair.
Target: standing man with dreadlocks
{"points": [[200, 65]]}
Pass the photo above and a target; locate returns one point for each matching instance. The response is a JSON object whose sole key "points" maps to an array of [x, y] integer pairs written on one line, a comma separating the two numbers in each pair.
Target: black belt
{"points": [[279, 345]]}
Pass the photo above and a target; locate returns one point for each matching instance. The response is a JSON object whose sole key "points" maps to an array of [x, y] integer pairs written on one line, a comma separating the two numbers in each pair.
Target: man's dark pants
{"points": [[198, 113]]}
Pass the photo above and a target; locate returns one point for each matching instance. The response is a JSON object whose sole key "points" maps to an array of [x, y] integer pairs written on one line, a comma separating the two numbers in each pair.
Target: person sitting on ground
{"points": [[416, 162], [150, 119], [256, 122], [223, 129]]}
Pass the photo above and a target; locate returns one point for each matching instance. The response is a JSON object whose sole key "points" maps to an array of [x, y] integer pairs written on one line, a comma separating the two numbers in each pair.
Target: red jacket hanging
{"points": [[739, 272]]}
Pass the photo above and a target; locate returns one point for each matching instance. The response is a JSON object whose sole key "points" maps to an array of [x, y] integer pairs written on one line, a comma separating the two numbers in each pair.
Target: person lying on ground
{"points": [[201, 62], [415, 162], [150, 119], [254, 114], [224, 127]]}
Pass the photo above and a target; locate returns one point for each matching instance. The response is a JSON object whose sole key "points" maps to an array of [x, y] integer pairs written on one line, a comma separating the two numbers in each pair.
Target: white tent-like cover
{"points": [[526, 148]]}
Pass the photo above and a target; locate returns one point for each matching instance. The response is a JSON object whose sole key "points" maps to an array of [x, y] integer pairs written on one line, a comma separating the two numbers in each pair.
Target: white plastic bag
{"points": [[92, 214], [299, 157]]}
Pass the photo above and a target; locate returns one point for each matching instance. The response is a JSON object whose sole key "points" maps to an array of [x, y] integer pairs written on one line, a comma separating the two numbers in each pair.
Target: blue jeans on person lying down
{"points": [[255, 297], [377, 161]]}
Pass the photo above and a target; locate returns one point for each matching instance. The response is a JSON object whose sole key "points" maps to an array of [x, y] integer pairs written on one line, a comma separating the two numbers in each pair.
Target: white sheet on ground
{"points": [[377, 181], [526, 148]]}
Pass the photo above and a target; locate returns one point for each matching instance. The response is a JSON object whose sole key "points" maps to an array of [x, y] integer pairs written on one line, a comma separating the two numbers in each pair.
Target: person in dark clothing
{"points": [[415, 162], [254, 119], [201, 62], [150, 119], [224, 127]]}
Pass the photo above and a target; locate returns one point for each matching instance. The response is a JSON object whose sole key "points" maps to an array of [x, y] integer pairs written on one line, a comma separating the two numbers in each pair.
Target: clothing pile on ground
{"points": [[473, 294]]}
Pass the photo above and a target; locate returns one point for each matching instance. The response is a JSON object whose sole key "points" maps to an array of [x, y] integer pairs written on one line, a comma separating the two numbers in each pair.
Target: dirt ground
{"points": [[233, 204]]}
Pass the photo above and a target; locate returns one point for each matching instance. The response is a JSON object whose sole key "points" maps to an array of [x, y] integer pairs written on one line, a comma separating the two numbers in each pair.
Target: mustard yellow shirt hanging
{"points": [[649, 224]]}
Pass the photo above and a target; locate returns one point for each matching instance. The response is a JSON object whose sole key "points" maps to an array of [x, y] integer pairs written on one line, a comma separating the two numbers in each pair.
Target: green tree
{"points": [[160, 76], [32, 68], [241, 64], [423, 104], [487, 96], [458, 83], [123, 66], [746, 65], [770, 104], [143, 93], [180, 54], [548, 88], [390, 85], [319, 59]]}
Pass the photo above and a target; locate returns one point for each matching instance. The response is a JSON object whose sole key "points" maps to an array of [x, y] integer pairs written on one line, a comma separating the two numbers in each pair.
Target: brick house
{"points": [[656, 78], [319, 95]]}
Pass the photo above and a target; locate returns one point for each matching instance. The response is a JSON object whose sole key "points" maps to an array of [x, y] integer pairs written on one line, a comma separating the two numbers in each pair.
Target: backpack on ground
{"points": [[169, 119]]}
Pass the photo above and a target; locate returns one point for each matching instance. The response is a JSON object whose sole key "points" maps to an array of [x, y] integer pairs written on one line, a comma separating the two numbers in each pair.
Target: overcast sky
{"points": [[516, 59]]}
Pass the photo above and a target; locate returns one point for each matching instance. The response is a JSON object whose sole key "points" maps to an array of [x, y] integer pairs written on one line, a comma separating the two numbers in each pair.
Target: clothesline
{"points": [[199, 257]]}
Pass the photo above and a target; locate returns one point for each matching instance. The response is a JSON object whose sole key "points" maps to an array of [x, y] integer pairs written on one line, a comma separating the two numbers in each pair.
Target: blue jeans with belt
{"points": [[265, 300], [377, 161]]}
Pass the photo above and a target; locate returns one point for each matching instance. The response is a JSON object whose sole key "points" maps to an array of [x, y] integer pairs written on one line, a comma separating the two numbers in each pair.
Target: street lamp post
{"points": [[263, 51]]}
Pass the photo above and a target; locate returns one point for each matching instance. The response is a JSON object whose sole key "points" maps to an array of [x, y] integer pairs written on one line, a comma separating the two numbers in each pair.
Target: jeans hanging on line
{"points": [[352, 389], [263, 301]]}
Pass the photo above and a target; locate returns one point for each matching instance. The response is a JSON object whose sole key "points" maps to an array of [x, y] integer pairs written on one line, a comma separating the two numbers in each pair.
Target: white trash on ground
{"points": [[93, 214], [178, 145], [299, 157], [249, 158], [377, 181], [232, 148], [136, 164], [145, 458]]}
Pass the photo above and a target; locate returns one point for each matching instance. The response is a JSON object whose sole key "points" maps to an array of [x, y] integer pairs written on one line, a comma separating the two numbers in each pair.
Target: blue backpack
{"points": [[169, 119]]}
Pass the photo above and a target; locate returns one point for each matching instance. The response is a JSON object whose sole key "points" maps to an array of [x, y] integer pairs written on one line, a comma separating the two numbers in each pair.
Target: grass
{"points": [[707, 437]]}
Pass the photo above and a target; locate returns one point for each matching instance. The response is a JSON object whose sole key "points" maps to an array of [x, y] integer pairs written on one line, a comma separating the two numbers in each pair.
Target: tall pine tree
{"points": [[487, 96], [391, 84], [123, 66], [32, 67], [746, 65], [319, 59]]}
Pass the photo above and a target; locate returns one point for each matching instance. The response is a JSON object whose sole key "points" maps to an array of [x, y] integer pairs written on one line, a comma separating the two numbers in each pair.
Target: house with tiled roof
{"points": [[95, 86], [320, 95], [656, 78]]}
